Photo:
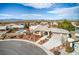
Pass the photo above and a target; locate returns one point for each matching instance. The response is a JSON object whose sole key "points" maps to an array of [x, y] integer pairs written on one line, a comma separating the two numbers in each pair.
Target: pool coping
{"points": [[40, 46]]}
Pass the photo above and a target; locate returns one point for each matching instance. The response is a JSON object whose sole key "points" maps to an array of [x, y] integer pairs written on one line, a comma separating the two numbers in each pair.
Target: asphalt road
{"points": [[20, 48]]}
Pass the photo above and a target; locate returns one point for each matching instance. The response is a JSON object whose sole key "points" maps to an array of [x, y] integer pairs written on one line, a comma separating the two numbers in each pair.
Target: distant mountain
{"points": [[14, 20], [10, 20]]}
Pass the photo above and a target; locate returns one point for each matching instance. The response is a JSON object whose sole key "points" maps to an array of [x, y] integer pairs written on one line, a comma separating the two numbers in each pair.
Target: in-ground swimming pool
{"points": [[16, 47]]}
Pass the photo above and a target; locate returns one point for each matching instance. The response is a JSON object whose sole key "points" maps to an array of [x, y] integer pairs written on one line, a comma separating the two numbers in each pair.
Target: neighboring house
{"points": [[33, 27], [77, 47], [2, 27], [77, 31], [40, 29], [44, 23], [15, 26], [76, 41], [21, 31], [55, 24]]}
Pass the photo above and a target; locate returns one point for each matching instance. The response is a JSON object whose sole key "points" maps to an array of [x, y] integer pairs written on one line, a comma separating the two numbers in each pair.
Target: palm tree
{"points": [[27, 26]]}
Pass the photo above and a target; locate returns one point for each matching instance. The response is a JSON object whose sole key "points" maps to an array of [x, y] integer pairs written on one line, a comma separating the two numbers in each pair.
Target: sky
{"points": [[48, 11]]}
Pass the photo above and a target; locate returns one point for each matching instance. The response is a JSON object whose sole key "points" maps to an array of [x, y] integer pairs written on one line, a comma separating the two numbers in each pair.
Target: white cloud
{"points": [[66, 13], [31, 15], [65, 10], [38, 5], [6, 15]]}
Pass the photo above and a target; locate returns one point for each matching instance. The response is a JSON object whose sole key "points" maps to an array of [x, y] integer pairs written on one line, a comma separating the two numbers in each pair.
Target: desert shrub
{"points": [[56, 52], [69, 49]]}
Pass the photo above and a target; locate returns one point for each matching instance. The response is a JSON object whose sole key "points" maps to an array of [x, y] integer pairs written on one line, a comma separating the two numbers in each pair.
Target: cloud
{"points": [[66, 16], [65, 10], [6, 15], [31, 15], [38, 5], [66, 13], [35, 16]]}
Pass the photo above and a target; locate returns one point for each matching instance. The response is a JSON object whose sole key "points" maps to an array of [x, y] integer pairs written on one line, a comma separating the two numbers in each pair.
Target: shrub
{"points": [[67, 25], [69, 49], [56, 52]]}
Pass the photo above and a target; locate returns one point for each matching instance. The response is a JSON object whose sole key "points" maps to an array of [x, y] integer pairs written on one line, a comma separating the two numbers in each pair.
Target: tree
{"points": [[26, 25], [66, 25]]}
